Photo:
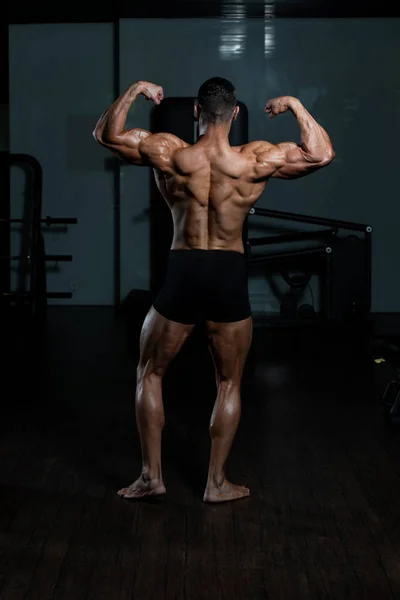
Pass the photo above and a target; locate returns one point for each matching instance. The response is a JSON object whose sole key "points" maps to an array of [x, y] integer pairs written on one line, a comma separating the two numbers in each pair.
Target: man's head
{"points": [[216, 101]]}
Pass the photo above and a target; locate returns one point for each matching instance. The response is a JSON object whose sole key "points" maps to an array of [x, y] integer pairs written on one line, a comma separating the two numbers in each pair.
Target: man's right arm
{"points": [[110, 129], [289, 160]]}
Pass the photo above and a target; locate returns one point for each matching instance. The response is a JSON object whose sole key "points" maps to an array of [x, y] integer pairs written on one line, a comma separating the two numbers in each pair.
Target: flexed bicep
{"points": [[291, 161], [127, 146], [287, 160], [110, 129]]}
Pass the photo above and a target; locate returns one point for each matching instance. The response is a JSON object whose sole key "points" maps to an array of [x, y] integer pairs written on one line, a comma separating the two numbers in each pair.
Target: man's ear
{"points": [[235, 113], [196, 111]]}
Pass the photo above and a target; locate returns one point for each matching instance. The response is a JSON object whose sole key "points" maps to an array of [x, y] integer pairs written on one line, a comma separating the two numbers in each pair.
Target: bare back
{"points": [[210, 186], [209, 190]]}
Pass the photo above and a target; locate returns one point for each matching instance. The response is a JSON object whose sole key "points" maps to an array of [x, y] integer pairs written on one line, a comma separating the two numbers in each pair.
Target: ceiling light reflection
{"points": [[269, 29], [233, 30]]}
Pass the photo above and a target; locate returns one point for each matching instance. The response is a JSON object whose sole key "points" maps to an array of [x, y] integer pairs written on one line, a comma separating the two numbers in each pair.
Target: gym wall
{"points": [[61, 80]]}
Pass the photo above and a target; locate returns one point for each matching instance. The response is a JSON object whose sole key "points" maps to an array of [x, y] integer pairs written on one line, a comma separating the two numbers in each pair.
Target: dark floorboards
{"points": [[323, 521]]}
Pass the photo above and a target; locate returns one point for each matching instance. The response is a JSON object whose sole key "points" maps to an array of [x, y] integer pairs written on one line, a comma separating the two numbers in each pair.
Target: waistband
{"points": [[201, 252]]}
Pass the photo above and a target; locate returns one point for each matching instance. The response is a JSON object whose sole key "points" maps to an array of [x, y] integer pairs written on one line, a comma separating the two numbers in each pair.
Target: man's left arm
{"points": [[110, 130]]}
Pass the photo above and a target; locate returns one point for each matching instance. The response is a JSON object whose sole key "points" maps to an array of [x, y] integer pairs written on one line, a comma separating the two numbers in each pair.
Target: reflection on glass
{"points": [[233, 30], [269, 30]]}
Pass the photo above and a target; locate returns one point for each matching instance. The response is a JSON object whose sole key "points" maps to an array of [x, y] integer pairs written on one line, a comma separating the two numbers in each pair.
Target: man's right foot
{"points": [[143, 487], [225, 492]]}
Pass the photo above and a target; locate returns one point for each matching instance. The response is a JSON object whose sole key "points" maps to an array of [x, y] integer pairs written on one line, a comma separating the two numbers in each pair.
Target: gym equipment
{"points": [[387, 354], [36, 298], [52, 257], [48, 221], [391, 400], [342, 262]]}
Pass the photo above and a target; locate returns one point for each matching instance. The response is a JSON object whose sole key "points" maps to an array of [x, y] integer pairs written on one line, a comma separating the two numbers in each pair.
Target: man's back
{"points": [[209, 188]]}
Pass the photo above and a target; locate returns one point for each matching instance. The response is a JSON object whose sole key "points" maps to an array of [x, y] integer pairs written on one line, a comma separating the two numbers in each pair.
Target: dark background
{"points": [[315, 444]]}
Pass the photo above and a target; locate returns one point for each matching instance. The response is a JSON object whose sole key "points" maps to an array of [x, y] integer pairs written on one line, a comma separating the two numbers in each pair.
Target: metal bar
{"points": [[49, 257], [4, 213], [328, 290], [290, 237], [368, 258], [15, 258], [117, 168], [48, 221], [4, 159], [266, 258], [278, 214], [40, 303], [59, 257], [60, 221], [12, 295], [59, 294], [35, 216]]}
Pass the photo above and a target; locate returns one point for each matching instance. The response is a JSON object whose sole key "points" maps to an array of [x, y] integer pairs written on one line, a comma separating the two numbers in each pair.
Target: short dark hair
{"points": [[217, 99]]}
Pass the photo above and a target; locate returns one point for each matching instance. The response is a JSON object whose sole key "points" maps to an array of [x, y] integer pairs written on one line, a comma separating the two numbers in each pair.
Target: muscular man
{"points": [[209, 187]]}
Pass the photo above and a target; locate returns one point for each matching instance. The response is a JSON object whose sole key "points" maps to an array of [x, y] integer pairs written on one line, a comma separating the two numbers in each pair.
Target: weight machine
{"points": [[35, 299]]}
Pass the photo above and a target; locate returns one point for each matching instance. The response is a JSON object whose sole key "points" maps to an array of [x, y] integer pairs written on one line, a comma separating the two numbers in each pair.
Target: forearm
{"points": [[111, 124], [315, 141]]}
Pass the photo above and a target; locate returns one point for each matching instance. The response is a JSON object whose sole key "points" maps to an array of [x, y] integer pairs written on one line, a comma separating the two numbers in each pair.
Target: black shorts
{"points": [[205, 285]]}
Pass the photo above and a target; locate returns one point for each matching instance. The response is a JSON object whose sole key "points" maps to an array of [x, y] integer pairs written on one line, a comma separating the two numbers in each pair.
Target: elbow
{"points": [[327, 157], [104, 139], [330, 155], [97, 135], [101, 138]]}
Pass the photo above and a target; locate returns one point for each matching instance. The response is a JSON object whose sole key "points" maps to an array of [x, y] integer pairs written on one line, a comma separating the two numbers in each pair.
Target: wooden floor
{"points": [[324, 517]]}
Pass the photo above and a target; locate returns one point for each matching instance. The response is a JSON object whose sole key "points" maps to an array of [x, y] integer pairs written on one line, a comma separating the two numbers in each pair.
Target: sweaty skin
{"points": [[209, 187]]}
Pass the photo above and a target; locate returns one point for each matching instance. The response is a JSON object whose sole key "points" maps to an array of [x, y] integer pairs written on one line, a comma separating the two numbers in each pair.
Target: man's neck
{"points": [[216, 133]]}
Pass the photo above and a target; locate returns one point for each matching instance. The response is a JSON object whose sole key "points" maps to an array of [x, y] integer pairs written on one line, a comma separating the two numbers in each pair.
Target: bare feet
{"points": [[143, 487], [224, 492]]}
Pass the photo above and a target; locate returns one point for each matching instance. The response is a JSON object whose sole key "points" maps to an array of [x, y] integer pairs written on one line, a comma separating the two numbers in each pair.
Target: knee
{"points": [[225, 383]]}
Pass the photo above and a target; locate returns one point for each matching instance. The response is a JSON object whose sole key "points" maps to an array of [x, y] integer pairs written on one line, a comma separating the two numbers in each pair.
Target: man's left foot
{"points": [[142, 488], [225, 492]]}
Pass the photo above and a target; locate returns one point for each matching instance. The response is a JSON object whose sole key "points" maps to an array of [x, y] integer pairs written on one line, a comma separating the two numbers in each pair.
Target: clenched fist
{"points": [[151, 91], [276, 106]]}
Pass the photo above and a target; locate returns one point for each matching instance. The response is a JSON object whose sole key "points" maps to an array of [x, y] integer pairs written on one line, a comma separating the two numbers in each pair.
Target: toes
{"points": [[128, 493], [242, 491]]}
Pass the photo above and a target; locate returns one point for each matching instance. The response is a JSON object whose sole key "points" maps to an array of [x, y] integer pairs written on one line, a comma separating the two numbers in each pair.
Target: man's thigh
{"points": [[229, 345], [160, 341]]}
